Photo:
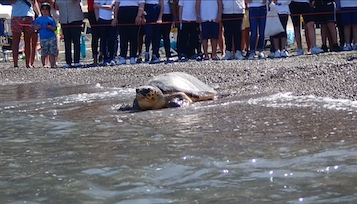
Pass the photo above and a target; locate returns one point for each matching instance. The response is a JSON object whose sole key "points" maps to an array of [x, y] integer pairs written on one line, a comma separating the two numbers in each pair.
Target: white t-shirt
{"points": [[233, 6], [348, 3], [188, 10], [130, 2], [209, 10], [167, 9], [104, 13], [152, 1]]}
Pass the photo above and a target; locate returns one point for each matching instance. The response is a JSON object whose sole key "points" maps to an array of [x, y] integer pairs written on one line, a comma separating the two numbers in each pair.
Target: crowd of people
{"points": [[235, 26]]}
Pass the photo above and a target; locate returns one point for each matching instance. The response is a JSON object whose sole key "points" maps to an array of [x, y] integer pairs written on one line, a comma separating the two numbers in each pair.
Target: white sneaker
{"points": [[316, 50], [121, 61], [355, 46], [238, 55], [251, 55], [300, 52], [227, 56], [132, 60], [348, 47], [277, 54], [284, 54], [261, 55]]}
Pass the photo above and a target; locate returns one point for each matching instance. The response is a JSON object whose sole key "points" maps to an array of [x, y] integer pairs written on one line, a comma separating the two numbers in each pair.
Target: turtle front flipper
{"points": [[178, 99]]}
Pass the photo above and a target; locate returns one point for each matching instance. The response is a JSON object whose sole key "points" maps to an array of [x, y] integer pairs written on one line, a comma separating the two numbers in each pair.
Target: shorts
{"points": [[299, 8], [349, 16], [325, 13], [49, 46], [22, 24], [210, 30]]}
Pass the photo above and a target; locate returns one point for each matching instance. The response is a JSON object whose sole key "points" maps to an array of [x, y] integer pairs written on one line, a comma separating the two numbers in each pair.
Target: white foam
{"points": [[287, 100]]}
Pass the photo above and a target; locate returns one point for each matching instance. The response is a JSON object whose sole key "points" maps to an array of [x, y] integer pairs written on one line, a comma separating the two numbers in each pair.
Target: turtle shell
{"points": [[182, 82]]}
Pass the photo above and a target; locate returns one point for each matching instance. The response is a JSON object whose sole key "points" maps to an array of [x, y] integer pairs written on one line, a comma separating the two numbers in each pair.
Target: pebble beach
{"points": [[330, 75]]}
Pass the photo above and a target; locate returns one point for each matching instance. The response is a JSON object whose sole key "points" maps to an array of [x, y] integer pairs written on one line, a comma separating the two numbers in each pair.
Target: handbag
{"points": [[273, 25]]}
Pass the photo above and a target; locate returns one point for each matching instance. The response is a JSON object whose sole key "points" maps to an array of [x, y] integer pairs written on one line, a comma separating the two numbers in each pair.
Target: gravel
{"points": [[327, 75]]}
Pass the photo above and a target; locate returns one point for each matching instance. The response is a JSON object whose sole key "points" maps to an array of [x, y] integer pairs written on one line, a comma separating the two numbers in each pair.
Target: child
{"points": [[209, 15], [46, 27]]}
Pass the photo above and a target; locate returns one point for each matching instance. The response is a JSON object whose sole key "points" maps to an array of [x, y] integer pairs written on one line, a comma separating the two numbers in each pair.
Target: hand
{"points": [[159, 21], [114, 22]]}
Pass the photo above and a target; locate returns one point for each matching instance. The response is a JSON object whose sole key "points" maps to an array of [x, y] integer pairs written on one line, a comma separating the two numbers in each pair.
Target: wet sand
{"points": [[328, 75]]}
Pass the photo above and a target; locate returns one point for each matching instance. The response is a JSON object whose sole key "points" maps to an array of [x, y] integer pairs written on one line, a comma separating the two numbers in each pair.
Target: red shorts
{"points": [[22, 24]]}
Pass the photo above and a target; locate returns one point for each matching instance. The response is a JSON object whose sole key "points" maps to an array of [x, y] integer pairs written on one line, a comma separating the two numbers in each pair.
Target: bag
{"points": [[273, 25]]}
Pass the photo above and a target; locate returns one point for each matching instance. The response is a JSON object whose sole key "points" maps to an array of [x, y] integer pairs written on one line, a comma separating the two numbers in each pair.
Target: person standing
{"points": [[128, 14], [22, 18], [94, 31], [326, 10], [154, 10], [302, 7], [257, 19], [46, 27], [188, 33], [71, 20], [209, 15], [349, 20], [280, 39], [104, 13], [232, 19]]}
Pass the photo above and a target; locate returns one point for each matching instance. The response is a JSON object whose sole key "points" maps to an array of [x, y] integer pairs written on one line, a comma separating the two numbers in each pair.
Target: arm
{"points": [[180, 14], [12, 1], [161, 2], [220, 10], [174, 9], [198, 11], [139, 15], [116, 10], [96, 8], [36, 7]]}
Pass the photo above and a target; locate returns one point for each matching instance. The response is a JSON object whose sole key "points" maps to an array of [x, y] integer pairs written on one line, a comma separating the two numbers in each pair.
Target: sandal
{"points": [[215, 58]]}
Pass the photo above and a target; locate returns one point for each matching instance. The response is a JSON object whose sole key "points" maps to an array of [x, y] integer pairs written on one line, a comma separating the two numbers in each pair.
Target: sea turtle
{"points": [[173, 89]]}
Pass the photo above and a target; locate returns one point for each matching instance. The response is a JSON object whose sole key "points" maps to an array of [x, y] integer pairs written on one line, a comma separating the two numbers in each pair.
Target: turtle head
{"points": [[150, 98]]}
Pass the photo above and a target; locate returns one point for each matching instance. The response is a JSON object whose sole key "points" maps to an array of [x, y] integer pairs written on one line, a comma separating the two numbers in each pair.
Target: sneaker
{"points": [[121, 61], [348, 47], [251, 55], [147, 56], [284, 54], [77, 65], [66, 66], [261, 55], [300, 52], [271, 55], [227, 56], [336, 48], [324, 48], [316, 50], [277, 54], [154, 59], [132, 60], [355, 46], [139, 60], [238, 55], [112, 63]]}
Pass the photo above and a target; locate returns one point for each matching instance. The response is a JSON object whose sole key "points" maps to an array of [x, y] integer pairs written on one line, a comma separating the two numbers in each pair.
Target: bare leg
{"points": [[33, 45], [28, 49], [43, 60], [214, 47], [15, 47], [332, 32], [205, 47], [298, 36], [276, 44], [311, 33], [347, 30], [52, 61]]}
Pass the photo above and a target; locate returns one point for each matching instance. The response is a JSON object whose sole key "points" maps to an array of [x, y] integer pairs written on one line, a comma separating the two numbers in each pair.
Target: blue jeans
{"points": [[257, 19]]}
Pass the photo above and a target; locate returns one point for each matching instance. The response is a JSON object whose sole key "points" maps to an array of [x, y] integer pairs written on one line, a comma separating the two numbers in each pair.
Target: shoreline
{"points": [[331, 75]]}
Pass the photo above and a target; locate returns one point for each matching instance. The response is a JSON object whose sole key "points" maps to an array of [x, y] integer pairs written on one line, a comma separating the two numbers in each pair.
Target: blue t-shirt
{"points": [[44, 32]]}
